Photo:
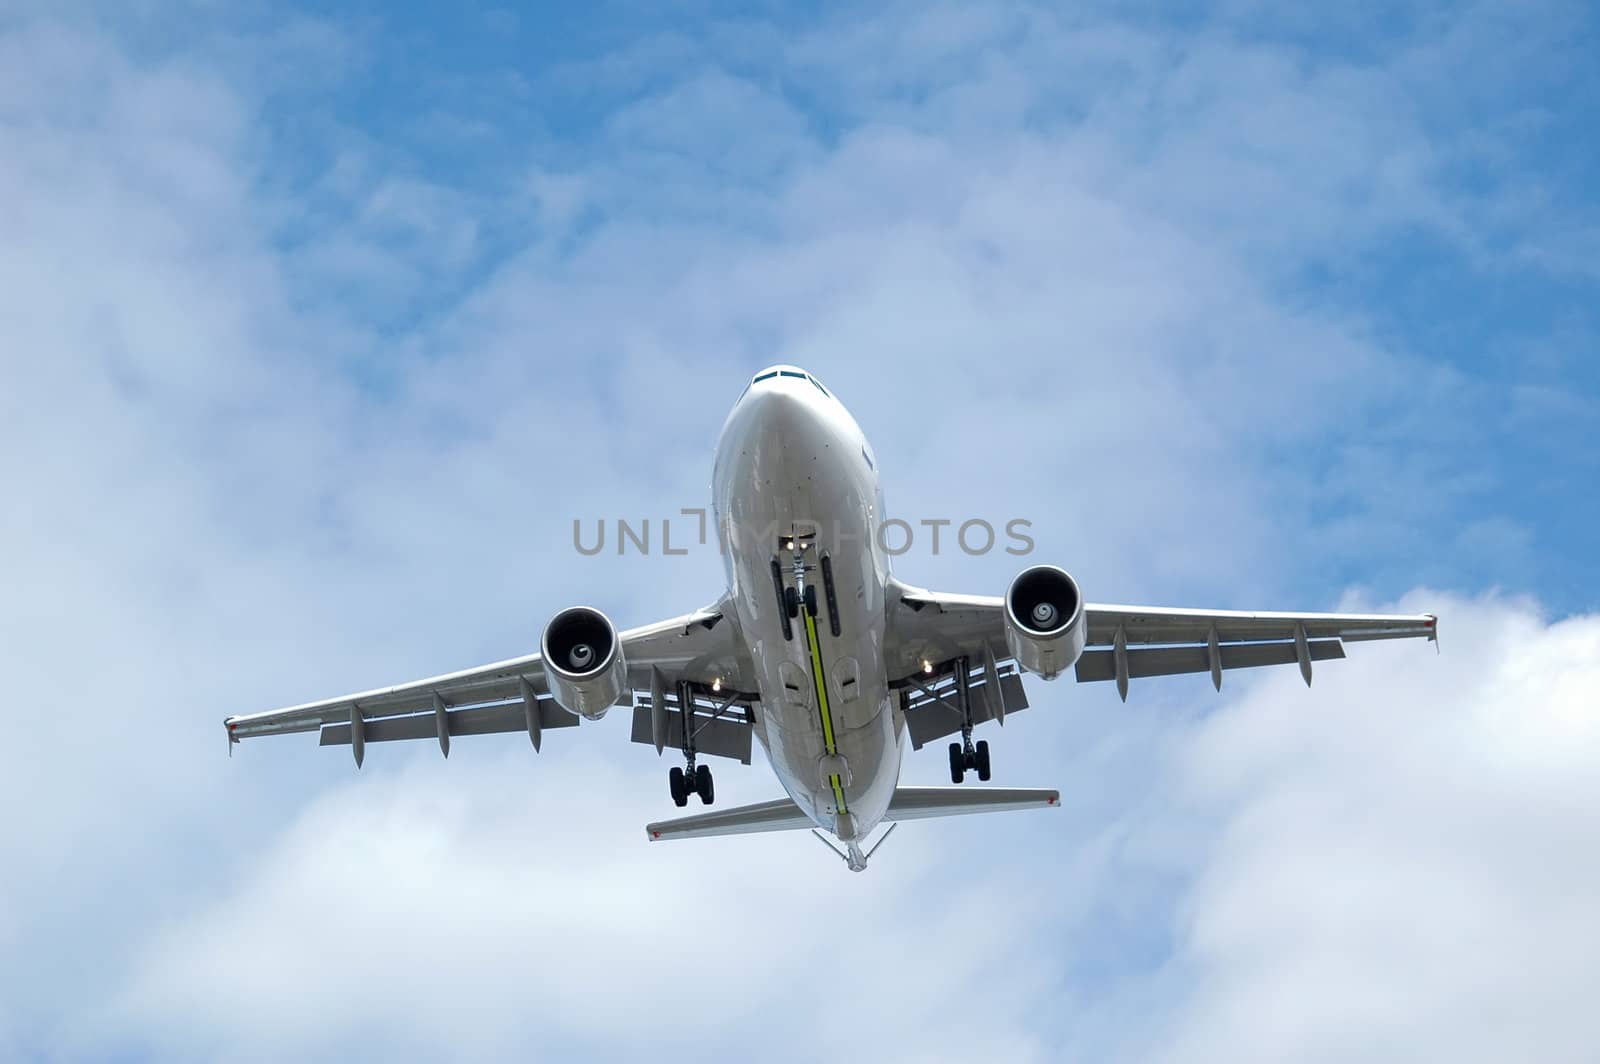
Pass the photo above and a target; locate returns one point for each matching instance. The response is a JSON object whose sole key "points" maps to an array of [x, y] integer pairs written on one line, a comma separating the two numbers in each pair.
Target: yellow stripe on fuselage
{"points": [[822, 702]]}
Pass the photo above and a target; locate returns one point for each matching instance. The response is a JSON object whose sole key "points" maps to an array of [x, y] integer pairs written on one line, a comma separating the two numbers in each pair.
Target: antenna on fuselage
{"points": [[853, 857], [882, 839], [840, 854]]}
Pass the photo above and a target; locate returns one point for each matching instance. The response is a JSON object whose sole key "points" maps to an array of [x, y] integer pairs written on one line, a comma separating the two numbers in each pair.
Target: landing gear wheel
{"points": [[702, 785], [958, 763], [811, 600], [679, 787], [982, 759], [791, 602]]}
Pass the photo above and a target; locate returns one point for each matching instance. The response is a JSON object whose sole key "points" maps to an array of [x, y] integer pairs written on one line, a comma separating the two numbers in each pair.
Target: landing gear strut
{"points": [[693, 778], [792, 599], [966, 754]]}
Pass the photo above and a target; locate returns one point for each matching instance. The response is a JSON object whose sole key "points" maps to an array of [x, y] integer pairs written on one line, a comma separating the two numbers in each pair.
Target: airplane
{"points": [[816, 651]]}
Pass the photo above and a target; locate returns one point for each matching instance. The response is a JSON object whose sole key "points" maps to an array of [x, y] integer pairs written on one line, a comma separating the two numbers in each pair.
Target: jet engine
{"points": [[583, 661], [1045, 627]]}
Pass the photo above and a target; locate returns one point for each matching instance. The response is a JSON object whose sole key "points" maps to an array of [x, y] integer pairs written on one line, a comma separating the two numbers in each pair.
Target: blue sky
{"points": [[320, 326], [1471, 272]]}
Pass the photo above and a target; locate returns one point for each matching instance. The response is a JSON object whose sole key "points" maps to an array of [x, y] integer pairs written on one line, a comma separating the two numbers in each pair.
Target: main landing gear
{"points": [[969, 755], [966, 754], [692, 778], [696, 779]]}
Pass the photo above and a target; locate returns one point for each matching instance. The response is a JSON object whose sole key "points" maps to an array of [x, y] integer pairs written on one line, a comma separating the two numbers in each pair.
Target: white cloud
{"points": [[525, 920], [1392, 865], [1403, 866]]}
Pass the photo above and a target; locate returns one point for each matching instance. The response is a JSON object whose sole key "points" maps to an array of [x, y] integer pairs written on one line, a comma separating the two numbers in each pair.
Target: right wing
{"points": [[509, 695], [1128, 642], [1167, 641]]}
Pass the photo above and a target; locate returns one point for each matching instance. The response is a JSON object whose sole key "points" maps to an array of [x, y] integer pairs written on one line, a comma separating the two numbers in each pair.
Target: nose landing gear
{"points": [[794, 598], [800, 595]]}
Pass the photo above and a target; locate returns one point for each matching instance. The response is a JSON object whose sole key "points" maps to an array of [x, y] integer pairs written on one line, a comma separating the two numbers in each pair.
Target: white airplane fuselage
{"points": [[791, 460]]}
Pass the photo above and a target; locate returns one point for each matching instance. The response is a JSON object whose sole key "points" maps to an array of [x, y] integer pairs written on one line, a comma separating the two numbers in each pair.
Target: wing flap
{"points": [[718, 736], [485, 720], [928, 719], [1096, 665], [1145, 624]]}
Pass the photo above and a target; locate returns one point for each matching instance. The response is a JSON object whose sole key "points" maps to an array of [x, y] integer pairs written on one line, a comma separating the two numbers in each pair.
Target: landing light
{"points": [[791, 544], [716, 684], [927, 666]]}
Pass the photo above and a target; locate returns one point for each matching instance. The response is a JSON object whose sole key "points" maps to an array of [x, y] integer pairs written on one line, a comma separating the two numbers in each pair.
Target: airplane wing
{"points": [[512, 695], [1129, 642]]}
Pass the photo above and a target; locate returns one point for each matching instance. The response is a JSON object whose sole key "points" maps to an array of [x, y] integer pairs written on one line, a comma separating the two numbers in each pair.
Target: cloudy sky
{"points": [[319, 328]]}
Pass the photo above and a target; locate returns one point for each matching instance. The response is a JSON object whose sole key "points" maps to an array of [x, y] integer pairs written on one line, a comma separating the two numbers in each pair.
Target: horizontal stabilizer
{"points": [[909, 803], [919, 803], [781, 815]]}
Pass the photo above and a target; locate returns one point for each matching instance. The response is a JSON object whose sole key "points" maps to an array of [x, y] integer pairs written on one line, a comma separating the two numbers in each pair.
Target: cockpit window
{"points": [[797, 374]]}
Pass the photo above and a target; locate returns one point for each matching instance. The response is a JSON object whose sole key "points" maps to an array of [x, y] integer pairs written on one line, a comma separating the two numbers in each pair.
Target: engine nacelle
{"points": [[1045, 626], [583, 661]]}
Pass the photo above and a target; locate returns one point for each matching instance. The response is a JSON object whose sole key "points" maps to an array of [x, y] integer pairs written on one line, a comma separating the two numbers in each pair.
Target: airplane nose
{"points": [[777, 408], [782, 419], [773, 396]]}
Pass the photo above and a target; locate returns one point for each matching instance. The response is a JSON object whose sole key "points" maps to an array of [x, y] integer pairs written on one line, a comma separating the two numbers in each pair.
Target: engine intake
{"points": [[1045, 627], [583, 661]]}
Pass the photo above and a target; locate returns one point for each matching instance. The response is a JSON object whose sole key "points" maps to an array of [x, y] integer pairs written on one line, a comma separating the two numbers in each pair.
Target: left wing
{"points": [[510, 695], [1128, 642]]}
